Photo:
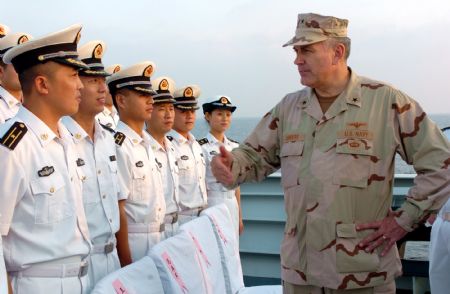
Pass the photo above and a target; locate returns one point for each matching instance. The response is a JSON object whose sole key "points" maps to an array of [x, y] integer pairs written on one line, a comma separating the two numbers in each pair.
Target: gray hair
{"points": [[334, 41]]}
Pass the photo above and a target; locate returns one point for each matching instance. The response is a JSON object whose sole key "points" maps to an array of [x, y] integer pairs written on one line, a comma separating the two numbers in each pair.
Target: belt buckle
{"points": [[83, 269], [109, 247], [162, 227]]}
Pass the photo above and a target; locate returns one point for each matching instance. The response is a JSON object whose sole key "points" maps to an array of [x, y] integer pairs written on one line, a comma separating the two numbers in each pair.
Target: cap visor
{"points": [[90, 72], [303, 41]]}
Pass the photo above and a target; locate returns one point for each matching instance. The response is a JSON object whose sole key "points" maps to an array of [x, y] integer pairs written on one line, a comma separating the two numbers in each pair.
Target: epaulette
{"points": [[202, 141], [170, 138], [13, 136], [119, 138], [108, 128], [234, 141]]}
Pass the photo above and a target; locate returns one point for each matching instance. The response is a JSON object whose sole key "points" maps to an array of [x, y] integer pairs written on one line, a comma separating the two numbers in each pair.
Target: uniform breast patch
{"points": [[184, 157], [13, 136], [139, 164], [202, 141], [80, 162], [46, 171], [112, 158]]}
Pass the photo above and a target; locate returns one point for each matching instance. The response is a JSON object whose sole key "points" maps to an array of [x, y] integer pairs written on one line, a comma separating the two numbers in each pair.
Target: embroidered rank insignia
{"points": [[139, 164], [184, 157], [46, 171], [202, 141], [13, 136], [119, 138], [234, 141], [214, 152], [112, 158], [158, 163], [170, 138], [80, 162], [108, 127]]}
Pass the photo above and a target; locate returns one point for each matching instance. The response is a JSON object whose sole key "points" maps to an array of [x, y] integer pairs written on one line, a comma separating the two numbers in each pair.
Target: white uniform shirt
{"points": [[210, 149], [41, 211], [97, 169], [140, 178], [3, 278], [9, 105], [166, 161], [108, 118], [192, 169]]}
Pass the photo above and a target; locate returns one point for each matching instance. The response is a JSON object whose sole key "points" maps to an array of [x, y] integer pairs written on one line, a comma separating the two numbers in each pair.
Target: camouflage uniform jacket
{"points": [[337, 170]]}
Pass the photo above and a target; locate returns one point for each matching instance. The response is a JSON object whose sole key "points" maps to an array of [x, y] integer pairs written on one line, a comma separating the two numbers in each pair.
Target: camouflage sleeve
{"points": [[258, 156], [422, 144]]}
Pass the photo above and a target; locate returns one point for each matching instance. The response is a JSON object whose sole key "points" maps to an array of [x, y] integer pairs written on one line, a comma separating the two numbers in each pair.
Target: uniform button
{"points": [[99, 171], [143, 176], [52, 190], [71, 179], [110, 220], [83, 178], [159, 209], [104, 196]]}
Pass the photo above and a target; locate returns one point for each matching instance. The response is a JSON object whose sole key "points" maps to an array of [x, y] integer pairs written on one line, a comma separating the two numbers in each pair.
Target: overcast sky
{"points": [[233, 47]]}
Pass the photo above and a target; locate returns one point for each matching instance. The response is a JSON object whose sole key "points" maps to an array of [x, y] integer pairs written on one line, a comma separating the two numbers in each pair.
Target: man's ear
{"points": [[41, 84], [339, 53], [120, 100], [2, 72]]}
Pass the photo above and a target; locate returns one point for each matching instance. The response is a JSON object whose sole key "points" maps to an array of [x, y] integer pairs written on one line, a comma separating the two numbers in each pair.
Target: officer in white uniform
{"points": [[217, 193], [109, 115], [96, 164], [189, 155], [144, 206], [42, 220], [10, 90], [158, 126], [440, 247]]}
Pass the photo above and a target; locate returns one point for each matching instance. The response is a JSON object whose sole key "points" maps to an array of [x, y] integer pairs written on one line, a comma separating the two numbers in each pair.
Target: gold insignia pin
{"points": [[164, 85], [116, 69], [77, 136], [98, 51], [44, 136], [22, 39], [224, 100], [188, 92], [148, 71]]}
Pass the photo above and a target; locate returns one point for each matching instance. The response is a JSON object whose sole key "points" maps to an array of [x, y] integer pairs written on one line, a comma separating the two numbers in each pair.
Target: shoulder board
{"points": [[13, 136], [202, 141], [109, 129], [119, 138], [170, 138], [234, 141]]}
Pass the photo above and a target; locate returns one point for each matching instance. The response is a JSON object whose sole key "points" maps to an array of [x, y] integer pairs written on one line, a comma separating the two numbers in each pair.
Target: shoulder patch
{"points": [[119, 138], [170, 138], [202, 141], [13, 136], [234, 141], [108, 128]]}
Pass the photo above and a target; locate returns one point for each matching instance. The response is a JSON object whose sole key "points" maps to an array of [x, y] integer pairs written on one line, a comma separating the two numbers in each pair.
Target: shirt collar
{"points": [[44, 134], [180, 138], [351, 93], [130, 134], [78, 133], [10, 100], [213, 139]]}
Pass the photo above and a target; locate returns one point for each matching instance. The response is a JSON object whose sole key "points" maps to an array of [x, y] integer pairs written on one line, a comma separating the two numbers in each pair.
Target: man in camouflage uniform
{"points": [[335, 141]]}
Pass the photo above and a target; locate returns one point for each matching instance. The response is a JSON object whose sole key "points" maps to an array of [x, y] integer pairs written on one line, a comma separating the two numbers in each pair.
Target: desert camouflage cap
{"points": [[313, 28]]}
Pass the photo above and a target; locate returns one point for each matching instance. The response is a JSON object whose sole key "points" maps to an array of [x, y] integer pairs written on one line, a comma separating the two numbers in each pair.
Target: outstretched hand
{"points": [[388, 231], [221, 166]]}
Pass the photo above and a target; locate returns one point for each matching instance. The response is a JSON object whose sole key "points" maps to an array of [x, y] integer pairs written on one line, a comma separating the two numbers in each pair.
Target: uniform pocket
{"points": [[291, 156], [349, 257], [352, 164], [51, 202], [88, 179], [140, 189]]}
